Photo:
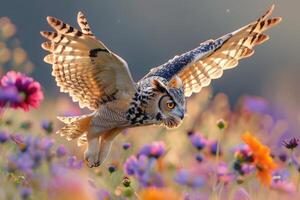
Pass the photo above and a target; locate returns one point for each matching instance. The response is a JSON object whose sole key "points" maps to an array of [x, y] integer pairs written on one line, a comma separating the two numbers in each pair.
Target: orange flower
{"points": [[262, 159], [158, 194]]}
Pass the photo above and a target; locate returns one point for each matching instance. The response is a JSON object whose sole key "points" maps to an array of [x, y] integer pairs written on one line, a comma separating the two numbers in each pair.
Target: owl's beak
{"points": [[179, 112], [181, 115]]}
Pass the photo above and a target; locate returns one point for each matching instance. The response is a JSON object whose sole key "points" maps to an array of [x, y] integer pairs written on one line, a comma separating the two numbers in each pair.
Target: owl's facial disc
{"points": [[171, 111]]}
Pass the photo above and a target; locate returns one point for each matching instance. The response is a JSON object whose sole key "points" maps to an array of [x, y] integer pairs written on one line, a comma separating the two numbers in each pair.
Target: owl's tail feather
{"points": [[76, 127]]}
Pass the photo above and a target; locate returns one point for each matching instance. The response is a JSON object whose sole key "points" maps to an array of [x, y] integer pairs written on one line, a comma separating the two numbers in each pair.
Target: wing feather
{"points": [[83, 66], [199, 66]]}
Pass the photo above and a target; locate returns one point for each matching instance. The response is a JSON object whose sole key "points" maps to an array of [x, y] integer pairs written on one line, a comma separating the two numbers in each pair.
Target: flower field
{"points": [[221, 151]]}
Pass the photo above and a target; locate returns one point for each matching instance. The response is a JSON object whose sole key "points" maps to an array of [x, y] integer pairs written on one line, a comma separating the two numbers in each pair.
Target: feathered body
{"points": [[100, 80]]}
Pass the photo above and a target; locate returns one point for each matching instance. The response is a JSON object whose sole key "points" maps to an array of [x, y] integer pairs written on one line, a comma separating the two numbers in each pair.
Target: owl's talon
{"points": [[92, 159], [97, 164]]}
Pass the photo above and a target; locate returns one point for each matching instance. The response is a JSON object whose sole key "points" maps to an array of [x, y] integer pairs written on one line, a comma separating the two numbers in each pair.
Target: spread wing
{"points": [[199, 66], [83, 66]]}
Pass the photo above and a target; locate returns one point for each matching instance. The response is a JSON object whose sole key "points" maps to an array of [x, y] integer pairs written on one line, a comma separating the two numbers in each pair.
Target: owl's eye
{"points": [[170, 104]]}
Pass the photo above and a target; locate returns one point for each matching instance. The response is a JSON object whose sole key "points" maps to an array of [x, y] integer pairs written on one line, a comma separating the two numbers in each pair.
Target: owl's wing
{"points": [[199, 66], [83, 66]]}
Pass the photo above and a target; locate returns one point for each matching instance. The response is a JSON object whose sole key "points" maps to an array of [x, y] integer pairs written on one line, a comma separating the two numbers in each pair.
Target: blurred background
{"points": [[261, 95], [148, 33]]}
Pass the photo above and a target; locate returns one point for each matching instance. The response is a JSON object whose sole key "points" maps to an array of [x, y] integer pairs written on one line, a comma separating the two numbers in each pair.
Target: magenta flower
{"points": [[155, 149], [29, 91]]}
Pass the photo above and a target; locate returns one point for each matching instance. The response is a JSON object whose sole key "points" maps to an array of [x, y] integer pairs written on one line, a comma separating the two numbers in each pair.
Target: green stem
{"points": [[215, 183]]}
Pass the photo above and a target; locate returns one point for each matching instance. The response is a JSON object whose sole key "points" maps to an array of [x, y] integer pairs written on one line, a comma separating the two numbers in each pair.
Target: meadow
{"points": [[221, 151]]}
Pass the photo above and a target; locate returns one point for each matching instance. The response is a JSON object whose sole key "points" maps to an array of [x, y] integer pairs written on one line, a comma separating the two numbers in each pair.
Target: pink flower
{"points": [[241, 194], [70, 186], [28, 89]]}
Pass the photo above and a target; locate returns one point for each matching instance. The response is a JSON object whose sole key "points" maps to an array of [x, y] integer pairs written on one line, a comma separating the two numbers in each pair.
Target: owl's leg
{"points": [[92, 151], [106, 143]]}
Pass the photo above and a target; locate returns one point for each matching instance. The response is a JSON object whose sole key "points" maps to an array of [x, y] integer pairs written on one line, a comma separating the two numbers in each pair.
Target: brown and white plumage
{"points": [[239, 46], [225, 52], [83, 66], [100, 80]]}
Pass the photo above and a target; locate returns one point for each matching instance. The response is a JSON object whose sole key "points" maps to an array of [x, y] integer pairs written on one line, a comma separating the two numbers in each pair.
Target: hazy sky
{"points": [[147, 33]]}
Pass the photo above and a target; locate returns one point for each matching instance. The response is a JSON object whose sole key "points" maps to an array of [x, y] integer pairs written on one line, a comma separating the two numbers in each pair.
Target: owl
{"points": [[100, 80]]}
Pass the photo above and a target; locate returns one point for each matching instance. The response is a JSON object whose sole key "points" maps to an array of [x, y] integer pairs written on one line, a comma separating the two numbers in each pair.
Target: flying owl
{"points": [[100, 80]]}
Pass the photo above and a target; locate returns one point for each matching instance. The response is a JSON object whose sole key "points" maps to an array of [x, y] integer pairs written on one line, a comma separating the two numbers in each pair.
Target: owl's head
{"points": [[171, 102]]}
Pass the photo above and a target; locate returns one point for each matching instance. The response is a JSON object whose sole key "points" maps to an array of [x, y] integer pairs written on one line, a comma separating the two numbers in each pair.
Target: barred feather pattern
{"points": [[240, 45], [76, 126], [83, 66], [84, 25], [199, 66], [82, 140]]}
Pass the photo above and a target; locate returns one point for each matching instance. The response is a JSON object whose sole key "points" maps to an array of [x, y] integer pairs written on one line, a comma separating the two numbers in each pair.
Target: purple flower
{"points": [[185, 177], [198, 141], [281, 181], [142, 168], [25, 193], [22, 162], [224, 174], [151, 180], [199, 158], [73, 163], [61, 151], [126, 146], [4, 136], [156, 149], [47, 126], [281, 175], [291, 143], [214, 149], [9, 95], [33, 151], [255, 104], [242, 153], [42, 145], [283, 157], [131, 165]]}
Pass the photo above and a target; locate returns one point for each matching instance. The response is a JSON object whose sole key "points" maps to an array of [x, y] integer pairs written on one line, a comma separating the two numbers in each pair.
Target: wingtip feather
{"points": [[44, 34], [48, 59], [45, 46], [50, 19], [79, 14]]}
